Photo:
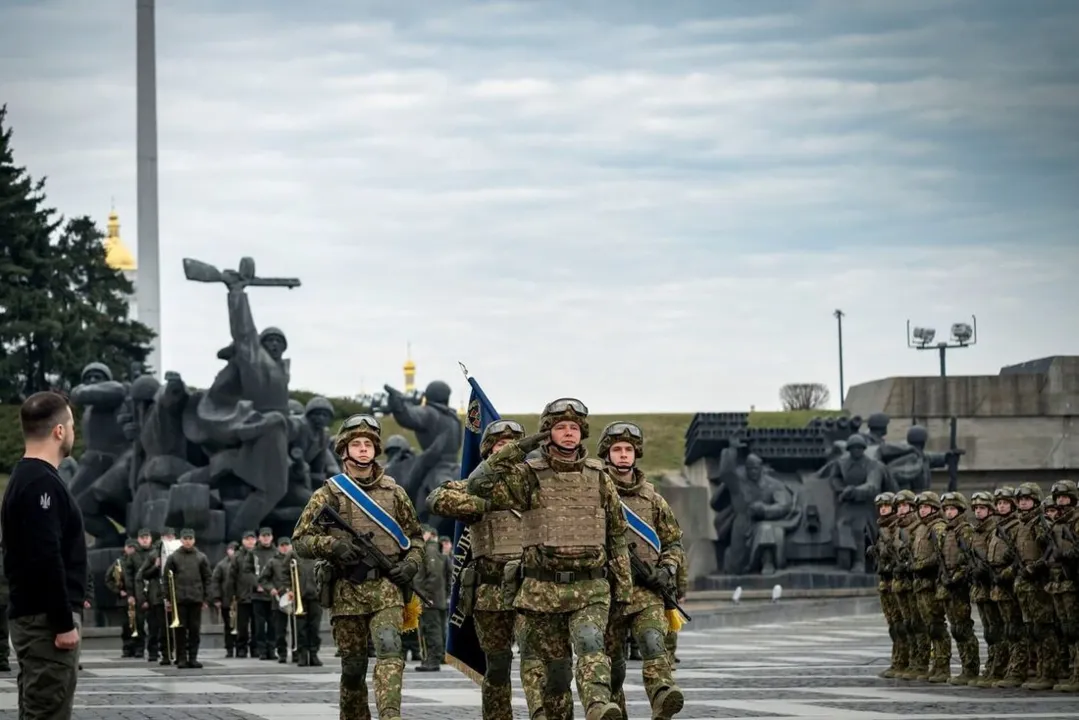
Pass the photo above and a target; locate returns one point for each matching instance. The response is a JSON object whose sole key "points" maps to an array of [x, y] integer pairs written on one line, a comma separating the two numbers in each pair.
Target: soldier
{"points": [[575, 561], [241, 584], [884, 559], [114, 581], [431, 581], [656, 540], [983, 528], [956, 579], [496, 542], [147, 638], [276, 577], [150, 580], [1003, 559], [1032, 543], [263, 612], [903, 587], [188, 569], [306, 640], [927, 549], [371, 502], [222, 594], [1063, 577]]}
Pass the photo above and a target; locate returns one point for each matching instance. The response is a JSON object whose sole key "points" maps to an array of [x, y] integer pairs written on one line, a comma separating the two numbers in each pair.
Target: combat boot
{"points": [[301, 658], [604, 711], [193, 660], [666, 703], [283, 658], [314, 660]]}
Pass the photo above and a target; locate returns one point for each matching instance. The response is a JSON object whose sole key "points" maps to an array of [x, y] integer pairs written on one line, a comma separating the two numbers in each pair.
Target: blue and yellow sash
{"points": [[638, 525], [372, 509]]}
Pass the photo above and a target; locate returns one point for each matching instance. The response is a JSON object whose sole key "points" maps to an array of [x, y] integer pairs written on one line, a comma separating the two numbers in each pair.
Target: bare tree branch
{"points": [[804, 396]]}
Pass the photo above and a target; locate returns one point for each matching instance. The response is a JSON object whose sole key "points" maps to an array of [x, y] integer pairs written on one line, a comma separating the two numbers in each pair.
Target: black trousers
{"points": [[155, 630], [245, 628], [226, 620], [264, 627], [189, 634], [5, 649], [281, 631], [138, 644], [308, 626]]}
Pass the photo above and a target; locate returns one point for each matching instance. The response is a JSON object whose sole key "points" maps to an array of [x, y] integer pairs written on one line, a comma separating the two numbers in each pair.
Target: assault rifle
{"points": [[1017, 559], [942, 566], [1054, 546], [641, 571], [199, 271], [371, 557], [903, 554], [981, 565]]}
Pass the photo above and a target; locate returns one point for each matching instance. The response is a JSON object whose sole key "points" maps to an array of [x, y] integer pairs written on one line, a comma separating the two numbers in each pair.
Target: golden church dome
{"points": [[117, 256]]}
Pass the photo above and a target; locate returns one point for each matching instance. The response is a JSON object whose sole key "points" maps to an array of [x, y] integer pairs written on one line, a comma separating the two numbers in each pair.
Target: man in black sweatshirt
{"points": [[44, 561]]}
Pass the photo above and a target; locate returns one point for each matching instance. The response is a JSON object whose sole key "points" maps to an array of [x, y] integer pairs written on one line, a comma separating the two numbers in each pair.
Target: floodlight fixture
{"points": [[924, 336], [962, 333]]}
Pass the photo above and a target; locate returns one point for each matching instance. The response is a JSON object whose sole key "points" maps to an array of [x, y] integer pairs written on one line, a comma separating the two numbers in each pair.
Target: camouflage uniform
{"points": [[1003, 561], [927, 544], [644, 617], [373, 608], [889, 603], [981, 588], [1039, 619], [1064, 571], [575, 558], [903, 587], [955, 586], [496, 541]]}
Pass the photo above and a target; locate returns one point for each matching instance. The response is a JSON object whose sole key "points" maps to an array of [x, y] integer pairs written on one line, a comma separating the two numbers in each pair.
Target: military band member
{"points": [[188, 569], [114, 581], [1003, 559], [148, 638], [903, 587], [275, 575], [984, 528], [222, 594], [262, 606], [241, 584], [956, 578], [368, 604], [884, 559], [152, 583], [287, 569], [656, 539], [575, 560]]}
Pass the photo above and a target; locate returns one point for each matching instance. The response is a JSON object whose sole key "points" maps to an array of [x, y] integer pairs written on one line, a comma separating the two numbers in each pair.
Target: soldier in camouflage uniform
{"points": [[372, 608], [496, 542], [1039, 619], [575, 561], [621, 445], [880, 552], [1063, 573], [955, 583], [927, 544], [900, 551], [1003, 561], [983, 528]]}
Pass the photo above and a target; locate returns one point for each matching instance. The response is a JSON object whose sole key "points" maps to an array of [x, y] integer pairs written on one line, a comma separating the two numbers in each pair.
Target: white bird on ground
{"points": [[777, 592], [737, 596]]}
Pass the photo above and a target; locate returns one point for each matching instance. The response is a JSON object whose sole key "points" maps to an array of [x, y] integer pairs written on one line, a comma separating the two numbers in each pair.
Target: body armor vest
{"points": [[381, 492], [886, 542], [899, 547], [567, 513], [982, 532], [1000, 554], [498, 536], [925, 554], [1063, 537], [953, 556], [1025, 540], [641, 503]]}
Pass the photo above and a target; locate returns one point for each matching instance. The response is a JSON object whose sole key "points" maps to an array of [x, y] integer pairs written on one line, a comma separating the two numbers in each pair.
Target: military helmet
{"points": [[981, 498], [1065, 487], [498, 430], [954, 499], [1004, 493], [621, 431], [917, 435], [904, 496], [1049, 502], [437, 392], [857, 440], [144, 388], [564, 409], [274, 332], [318, 403], [358, 426], [878, 421], [96, 367], [1029, 490], [928, 497], [295, 407], [396, 442], [885, 498]]}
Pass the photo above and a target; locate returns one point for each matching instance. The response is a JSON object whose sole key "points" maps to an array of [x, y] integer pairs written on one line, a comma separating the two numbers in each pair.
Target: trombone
{"points": [[175, 614], [118, 574], [297, 600]]}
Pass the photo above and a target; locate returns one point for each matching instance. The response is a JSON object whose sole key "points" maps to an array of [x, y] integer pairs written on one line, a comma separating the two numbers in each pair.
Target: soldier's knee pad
{"points": [[618, 673], [652, 644], [559, 676], [353, 669], [498, 667], [388, 643], [587, 638]]}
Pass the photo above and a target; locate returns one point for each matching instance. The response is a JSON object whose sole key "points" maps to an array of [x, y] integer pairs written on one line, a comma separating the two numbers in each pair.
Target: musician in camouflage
{"points": [[621, 445], [1003, 559], [900, 550], [1063, 575], [371, 610], [575, 560], [1039, 619], [882, 555], [983, 527], [927, 543], [955, 582], [495, 539]]}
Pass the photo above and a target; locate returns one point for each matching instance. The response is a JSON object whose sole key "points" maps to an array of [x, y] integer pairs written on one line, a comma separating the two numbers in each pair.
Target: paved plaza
{"points": [[824, 668]]}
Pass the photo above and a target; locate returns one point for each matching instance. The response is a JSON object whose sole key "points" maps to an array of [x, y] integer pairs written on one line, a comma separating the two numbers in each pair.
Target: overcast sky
{"points": [[652, 206]]}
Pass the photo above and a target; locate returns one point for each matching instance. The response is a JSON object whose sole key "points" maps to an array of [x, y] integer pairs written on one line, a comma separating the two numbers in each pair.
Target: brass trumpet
{"points": [[132, 620], [172, 597], [234, 608], [297, 601]]}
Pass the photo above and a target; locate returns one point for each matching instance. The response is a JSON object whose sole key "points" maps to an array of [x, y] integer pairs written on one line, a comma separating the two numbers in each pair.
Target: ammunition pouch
{"points": [[325, 579], [511, 581], [564, 578], [466, 593]]}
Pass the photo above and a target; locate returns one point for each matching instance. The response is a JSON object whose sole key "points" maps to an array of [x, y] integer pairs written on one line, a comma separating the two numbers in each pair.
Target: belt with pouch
{"points": [[565, 577]]}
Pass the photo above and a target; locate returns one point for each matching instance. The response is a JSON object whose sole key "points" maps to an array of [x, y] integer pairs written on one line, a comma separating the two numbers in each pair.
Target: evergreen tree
{"points": [[61, 306]]}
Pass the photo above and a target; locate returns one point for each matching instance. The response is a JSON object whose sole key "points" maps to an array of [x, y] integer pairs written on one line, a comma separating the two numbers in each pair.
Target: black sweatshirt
{"points": [[44, 545]]}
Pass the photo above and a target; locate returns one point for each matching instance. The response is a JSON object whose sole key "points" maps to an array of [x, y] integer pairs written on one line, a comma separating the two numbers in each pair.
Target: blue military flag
{"points": [[462, 644]]}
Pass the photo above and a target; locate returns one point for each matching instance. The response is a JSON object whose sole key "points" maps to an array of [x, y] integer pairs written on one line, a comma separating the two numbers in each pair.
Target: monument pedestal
{"points": [[792, 578]]}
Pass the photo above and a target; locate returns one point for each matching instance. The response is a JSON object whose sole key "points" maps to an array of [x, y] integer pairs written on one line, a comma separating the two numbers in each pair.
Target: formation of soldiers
{"points": [[551, 533], [1011, 553]]}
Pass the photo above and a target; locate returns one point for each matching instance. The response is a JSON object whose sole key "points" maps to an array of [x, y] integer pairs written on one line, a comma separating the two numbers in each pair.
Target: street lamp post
{"points": [[963, 336], [148, 289], [839, 315]]}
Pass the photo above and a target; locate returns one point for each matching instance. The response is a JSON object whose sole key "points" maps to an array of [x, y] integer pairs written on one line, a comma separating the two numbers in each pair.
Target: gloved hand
{"points": [[530, 443], [344, 554], [664, 578], [647, 577], [403, 572]]}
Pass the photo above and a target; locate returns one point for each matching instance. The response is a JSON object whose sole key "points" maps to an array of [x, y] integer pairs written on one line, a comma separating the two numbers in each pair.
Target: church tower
{"points": [[410, 372], [118, 257]]}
